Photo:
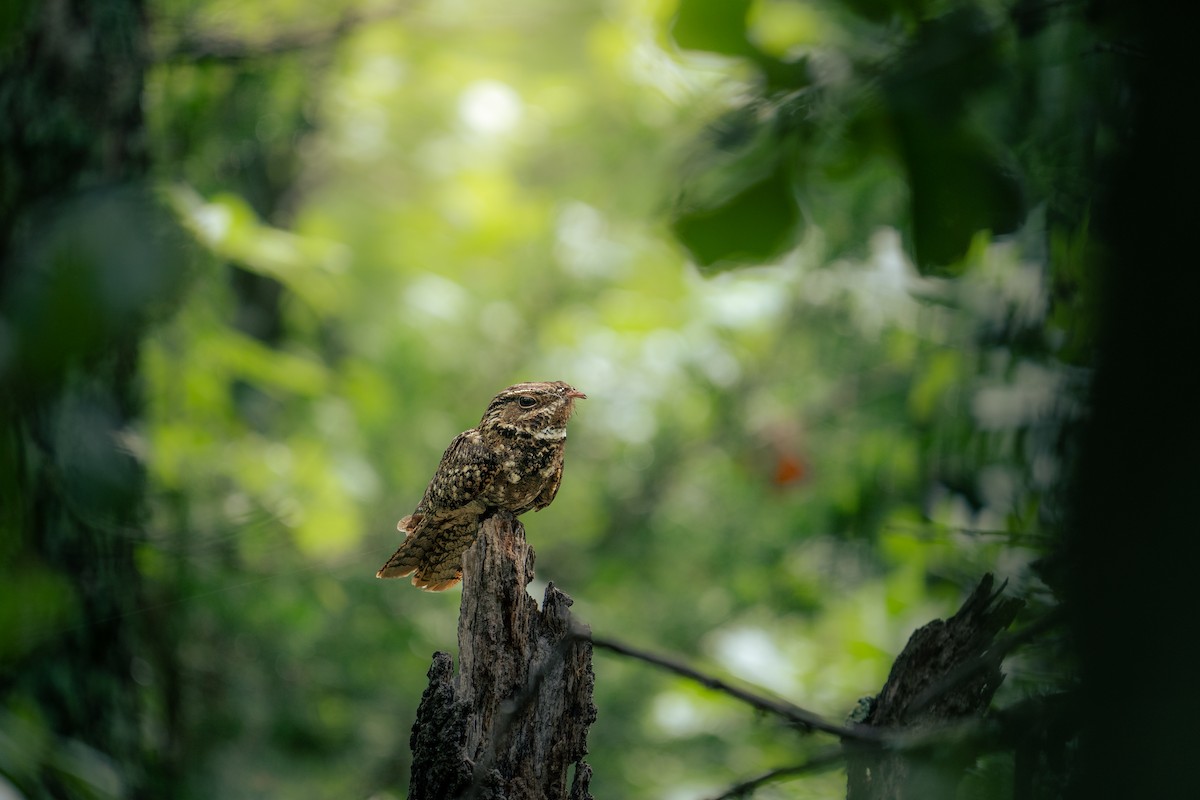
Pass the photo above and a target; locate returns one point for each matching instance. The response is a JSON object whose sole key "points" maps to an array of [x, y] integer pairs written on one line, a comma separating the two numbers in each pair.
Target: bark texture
{"points": [[946, 673], [513, 723]]}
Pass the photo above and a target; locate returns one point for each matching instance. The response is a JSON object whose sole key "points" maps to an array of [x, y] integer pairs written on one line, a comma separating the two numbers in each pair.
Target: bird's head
{"points": [[541, 409]]}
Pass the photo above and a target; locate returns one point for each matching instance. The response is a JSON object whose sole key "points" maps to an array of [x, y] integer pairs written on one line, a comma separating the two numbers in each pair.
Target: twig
{"points": [[209, 47], [1020, 10], [826, 758], [935, 529], [1121, 49], [799, 717]]}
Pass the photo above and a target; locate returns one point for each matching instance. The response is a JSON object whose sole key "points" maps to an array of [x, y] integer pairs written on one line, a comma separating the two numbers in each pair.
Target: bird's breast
{"points": [[524, 473]]}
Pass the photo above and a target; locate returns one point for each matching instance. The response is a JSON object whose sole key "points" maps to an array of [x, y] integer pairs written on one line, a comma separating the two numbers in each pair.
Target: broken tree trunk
{"points": [[947, 673], [514, 721]]}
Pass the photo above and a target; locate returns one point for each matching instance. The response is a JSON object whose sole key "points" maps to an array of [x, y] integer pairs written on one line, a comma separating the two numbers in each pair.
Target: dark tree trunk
{"points": [[514, 722], [84, 255], [1133, 547], [945, 674]]}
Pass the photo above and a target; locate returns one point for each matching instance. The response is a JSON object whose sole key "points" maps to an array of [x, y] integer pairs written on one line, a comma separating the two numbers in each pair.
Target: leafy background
{"points": [[820, 268]]}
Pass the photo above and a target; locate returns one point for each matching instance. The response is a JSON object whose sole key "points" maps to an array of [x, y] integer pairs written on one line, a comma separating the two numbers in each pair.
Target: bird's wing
{"points": [[465, 472], [445, 522]]}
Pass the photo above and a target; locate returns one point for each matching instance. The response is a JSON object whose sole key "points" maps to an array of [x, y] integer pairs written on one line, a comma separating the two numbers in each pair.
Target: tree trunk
{"points": [[515, 720], [1131, 552], [83, 256], [944, 674]]}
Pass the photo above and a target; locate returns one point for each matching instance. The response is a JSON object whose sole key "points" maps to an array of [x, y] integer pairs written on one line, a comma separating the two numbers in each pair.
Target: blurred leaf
{"points": [[35, 605], [29, 750], [951, 60], [779, 26], [883, 10], [13, 15], [718, 26], [89, 773], [24, 741], [241, 356], [312, 268], [755, 224], [959, 188], [330, 522], [941, 373], [92, 268]]}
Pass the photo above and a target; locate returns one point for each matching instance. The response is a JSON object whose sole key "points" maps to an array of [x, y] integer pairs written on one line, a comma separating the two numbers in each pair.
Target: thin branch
{"points": [[826, 758], [799, 717], [1121, 49], [1020, 10], [931, 530], [207, 47]]}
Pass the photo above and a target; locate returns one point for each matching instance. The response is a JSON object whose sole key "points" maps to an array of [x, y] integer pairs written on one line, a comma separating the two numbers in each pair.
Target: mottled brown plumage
{"points": [[511, 461]]}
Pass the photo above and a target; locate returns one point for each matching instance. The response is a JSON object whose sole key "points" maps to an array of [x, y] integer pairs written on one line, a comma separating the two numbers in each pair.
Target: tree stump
{"points": [[514, 721], [948, 672]]}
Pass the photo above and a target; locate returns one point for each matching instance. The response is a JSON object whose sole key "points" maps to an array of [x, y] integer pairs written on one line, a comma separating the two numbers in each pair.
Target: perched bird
{"points": [[511, 461]]}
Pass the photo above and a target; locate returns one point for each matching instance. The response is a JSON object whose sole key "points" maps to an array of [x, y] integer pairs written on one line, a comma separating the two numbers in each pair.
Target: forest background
{"points": [[836, 277]]}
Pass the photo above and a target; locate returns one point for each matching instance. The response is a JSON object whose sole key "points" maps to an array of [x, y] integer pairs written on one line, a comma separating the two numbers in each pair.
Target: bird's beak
{"points": [[575, 393]]}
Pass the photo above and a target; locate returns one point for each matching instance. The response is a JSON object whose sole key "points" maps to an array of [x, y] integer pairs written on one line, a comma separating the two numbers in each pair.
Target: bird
{"points": [[511, 461]]}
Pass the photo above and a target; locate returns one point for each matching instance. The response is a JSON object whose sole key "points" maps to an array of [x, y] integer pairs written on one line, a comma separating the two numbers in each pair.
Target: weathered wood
{"points": [[948, 672], [514, 722]]}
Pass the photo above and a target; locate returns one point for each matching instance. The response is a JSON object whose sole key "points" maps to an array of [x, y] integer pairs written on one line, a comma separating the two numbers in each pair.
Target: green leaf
{"points": [[958, 188], [37, 603], [754, 224], [951, 61], [718, 26]]}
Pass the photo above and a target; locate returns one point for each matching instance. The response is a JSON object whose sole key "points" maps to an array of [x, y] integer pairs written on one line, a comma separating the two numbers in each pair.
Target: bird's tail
{"points": [[431, 553]]}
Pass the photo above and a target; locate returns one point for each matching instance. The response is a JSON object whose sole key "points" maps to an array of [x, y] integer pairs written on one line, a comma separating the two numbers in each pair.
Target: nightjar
{"points": [[511, 461]]}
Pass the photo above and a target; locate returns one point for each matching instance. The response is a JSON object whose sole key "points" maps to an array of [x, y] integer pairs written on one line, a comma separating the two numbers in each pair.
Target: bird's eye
{"points": [[525, 401]]}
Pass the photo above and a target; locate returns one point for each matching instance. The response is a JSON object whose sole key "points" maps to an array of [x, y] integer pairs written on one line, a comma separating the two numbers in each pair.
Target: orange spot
{"points": [[788, 470]]}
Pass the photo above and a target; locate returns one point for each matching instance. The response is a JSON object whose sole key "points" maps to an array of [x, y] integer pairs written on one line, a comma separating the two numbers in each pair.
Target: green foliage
{"points": [[935, 102], [756, 224], [713, 25], [88, 275], [779, 473]]}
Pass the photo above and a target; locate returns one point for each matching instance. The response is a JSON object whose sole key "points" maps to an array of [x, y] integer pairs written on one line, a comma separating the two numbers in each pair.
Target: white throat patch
{"points": [[553, 434]]}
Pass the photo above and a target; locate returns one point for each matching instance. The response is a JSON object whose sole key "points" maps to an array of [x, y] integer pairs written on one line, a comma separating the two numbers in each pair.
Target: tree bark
{"points": [[82, 263], [514, 722], [946, 673]]}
